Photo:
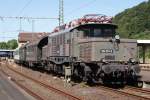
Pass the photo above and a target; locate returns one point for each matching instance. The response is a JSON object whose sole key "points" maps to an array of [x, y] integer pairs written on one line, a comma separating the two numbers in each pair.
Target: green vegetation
{"points": [[134, 22], [11, 44], [3, 45]]}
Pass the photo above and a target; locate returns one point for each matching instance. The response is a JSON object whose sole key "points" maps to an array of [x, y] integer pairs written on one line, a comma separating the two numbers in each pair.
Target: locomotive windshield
{"points": [[98, 30]]}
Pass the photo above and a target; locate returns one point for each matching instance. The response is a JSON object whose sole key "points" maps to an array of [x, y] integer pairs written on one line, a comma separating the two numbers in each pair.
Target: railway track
{"points": [[36, 96], [139, 91], [67, 95], [136, 93], [130, 92]]}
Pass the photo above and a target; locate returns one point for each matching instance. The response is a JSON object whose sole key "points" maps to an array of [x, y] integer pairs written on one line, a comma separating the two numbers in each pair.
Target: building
{"points": [[145, 45], [4, 53], [25, 37]]}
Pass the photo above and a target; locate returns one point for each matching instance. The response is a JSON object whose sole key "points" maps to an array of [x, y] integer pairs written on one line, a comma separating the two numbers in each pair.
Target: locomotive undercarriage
{"points": [[88, 72], [100, 73], [96, 72]]}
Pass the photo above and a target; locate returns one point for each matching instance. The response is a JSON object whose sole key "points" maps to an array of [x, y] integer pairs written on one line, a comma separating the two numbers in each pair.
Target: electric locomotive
{"points": [[93, 51]]}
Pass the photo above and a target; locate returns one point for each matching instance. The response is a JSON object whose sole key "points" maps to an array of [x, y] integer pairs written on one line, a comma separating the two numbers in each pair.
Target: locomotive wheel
{"points": [[86, 73], [139, 84], [76, 72]]}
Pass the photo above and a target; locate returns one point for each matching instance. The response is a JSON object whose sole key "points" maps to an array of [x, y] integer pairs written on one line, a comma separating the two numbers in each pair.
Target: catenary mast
{"points": [[61, 12]]}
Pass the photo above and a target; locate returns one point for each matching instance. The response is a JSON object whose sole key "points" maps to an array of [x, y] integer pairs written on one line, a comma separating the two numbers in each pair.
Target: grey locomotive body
{"points": [[91, 49], [94, 54]]}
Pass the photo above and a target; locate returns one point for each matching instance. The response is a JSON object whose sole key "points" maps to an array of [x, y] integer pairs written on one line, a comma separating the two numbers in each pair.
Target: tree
{"points": [[12, 44], [133, 21], [3, 45]]}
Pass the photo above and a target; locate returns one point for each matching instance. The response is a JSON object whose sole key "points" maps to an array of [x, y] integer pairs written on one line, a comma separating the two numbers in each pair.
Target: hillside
{"points": [[134, 22]]}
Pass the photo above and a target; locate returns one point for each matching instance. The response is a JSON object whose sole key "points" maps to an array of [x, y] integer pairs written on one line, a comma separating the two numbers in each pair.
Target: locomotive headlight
{"points": [[103, 60], [132, 60], [117, 37]]}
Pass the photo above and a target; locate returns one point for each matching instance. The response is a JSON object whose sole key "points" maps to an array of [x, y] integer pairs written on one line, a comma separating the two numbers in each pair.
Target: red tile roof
{"points": [[23, 37]]}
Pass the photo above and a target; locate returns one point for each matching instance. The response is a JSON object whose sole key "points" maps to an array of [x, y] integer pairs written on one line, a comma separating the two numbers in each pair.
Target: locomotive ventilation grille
{"points": [[110, 57]]}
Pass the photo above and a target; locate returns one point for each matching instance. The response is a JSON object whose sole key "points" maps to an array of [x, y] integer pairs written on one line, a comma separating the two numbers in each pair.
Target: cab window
{"points": [[108, 32], [97, 33], [98, 30]]}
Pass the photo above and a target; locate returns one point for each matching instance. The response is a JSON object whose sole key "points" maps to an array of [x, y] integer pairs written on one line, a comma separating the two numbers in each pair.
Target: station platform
{"points": [[10, 91], [145, 76], [143, 47]]}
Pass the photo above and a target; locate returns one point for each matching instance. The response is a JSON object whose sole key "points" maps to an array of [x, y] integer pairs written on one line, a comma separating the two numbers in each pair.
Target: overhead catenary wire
{"points": [[26, 18], [10, 17], [8, 37], [21, 18], [2, 18], [26, 5], [81, 7]]}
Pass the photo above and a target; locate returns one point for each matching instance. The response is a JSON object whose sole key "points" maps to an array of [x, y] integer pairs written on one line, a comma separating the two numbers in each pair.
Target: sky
{"points": [[73, 9]]}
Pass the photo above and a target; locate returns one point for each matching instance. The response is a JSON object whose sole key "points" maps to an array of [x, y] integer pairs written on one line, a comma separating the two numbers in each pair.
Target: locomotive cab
{"points": [[96, 39]]}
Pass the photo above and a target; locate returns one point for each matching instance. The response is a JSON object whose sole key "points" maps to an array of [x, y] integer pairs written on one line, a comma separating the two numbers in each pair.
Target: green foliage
{"points": [[11, 44], [142, 35], [134, 22], [3, 45]]}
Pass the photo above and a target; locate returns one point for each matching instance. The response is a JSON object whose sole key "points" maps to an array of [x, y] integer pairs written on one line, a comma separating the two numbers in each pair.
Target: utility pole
{"points": [[20, 19], [61, 12], [33, 25]]}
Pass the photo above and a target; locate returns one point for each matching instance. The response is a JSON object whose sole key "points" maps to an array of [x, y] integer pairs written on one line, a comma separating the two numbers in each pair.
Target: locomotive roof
{"points": [[39, 43], [70, 29]]}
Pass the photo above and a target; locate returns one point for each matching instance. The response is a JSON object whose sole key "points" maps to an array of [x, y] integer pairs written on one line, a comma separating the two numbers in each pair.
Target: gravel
{"points": [[79, 89]]}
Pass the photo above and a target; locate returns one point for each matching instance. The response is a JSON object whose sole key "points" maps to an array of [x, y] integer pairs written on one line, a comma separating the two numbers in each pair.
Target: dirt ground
{"points": [[80, 90]]}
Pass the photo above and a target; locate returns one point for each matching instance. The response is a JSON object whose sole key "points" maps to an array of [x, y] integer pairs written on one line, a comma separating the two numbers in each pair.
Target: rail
{"points": [[70, 96], [138, 89], [38, 97], [126, 93]]}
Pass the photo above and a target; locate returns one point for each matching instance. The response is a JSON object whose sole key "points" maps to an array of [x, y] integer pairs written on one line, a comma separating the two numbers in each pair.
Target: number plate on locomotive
{"points": [[106, 51]]}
